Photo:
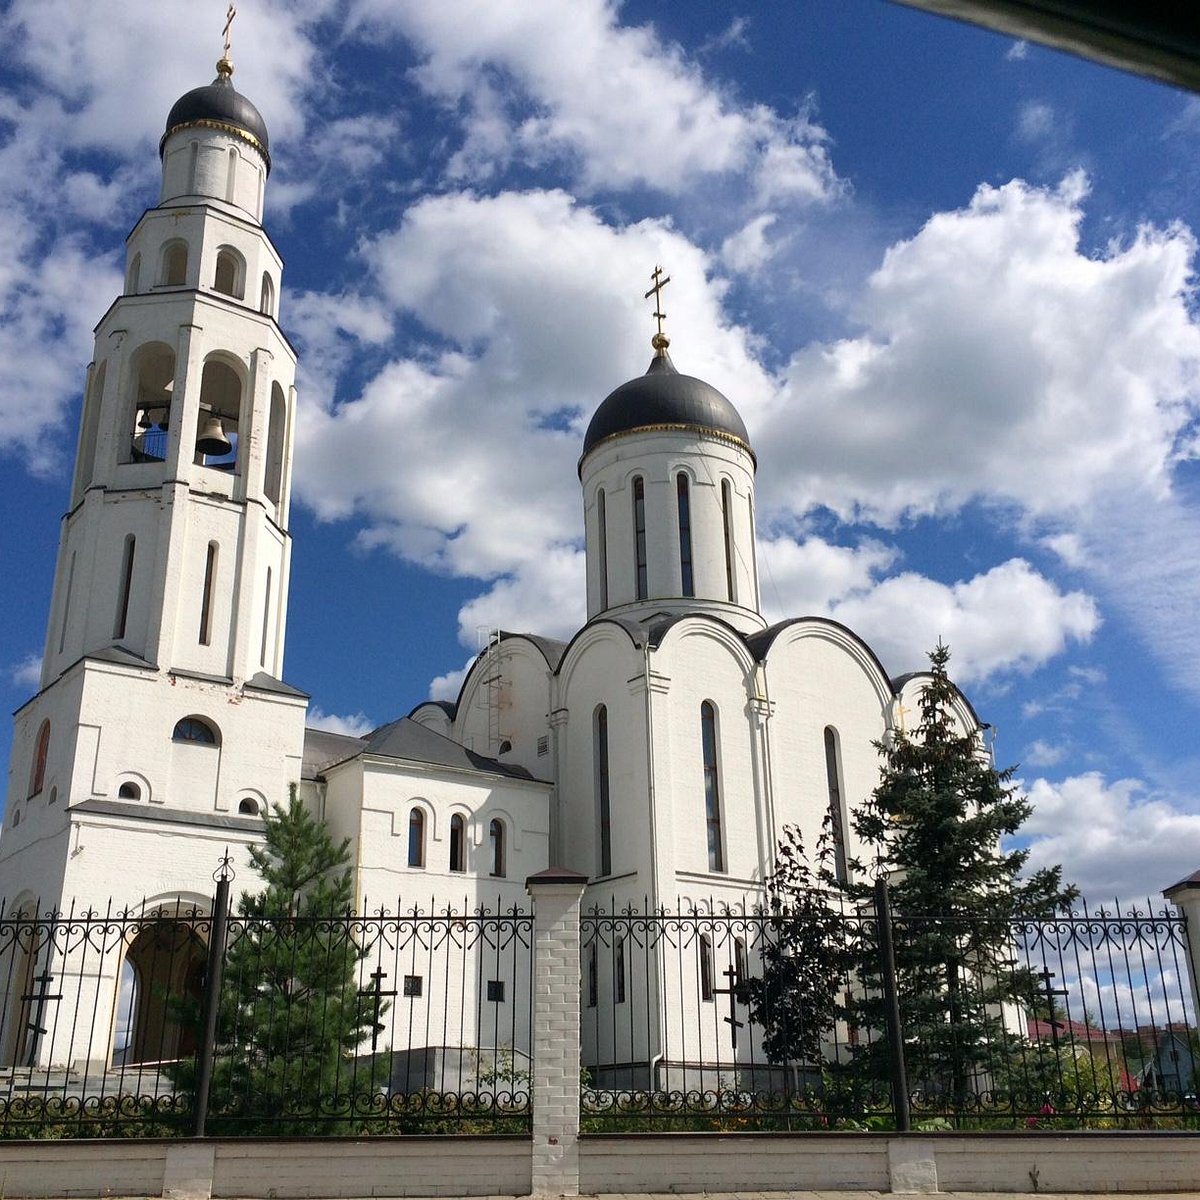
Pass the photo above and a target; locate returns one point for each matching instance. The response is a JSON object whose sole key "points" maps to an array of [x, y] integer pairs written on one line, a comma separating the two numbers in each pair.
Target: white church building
{"points": [[660, 751]]}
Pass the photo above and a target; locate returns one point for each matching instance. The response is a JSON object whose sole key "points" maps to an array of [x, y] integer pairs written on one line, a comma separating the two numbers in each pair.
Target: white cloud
{"points": [[1017, 52], [447, 687], [809, 577], [1042, 754], [1001, 362], [545, 596], [1007, 619], [1112, 838], [353, 724], [749, 249], [564, 79], [1036, 121], [464, 459], [28, 672]]}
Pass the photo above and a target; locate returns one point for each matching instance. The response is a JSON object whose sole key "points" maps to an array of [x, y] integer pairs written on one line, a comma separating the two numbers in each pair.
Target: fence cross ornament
{"points": [[39, 1000], [1046, 975], [731, 973], [378, 996]]}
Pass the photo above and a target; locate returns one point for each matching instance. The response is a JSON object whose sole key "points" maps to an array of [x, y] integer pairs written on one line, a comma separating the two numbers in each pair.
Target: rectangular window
{"points": [[206, 599], [712, 787], [602, 545], [600, 750], [412, 985], [126, 587], [837, 832], [685, 535], [639, 537], [706, 968], [727, 526], [495, 991]]}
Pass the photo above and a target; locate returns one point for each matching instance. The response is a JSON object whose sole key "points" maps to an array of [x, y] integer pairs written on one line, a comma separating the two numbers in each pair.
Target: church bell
{"points": [[212, 440]]}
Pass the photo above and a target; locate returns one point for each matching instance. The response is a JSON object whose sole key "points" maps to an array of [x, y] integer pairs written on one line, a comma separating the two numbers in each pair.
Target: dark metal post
{"points": [[887, 962], [212, 1001]]}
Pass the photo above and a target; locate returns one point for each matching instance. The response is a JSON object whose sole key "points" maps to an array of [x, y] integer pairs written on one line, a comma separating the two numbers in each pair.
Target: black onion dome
{"points": [[664, 398], [222, 104]]}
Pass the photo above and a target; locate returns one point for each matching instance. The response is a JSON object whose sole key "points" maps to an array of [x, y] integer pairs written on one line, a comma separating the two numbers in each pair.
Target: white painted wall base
{"points": [[297, 1169]]}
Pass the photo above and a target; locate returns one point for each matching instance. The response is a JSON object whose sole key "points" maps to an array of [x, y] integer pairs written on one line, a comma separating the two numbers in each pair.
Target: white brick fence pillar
{"points": [[1185, 895], [556, 897]]}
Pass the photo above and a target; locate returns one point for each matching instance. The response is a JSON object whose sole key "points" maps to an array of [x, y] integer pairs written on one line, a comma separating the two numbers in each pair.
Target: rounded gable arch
{"points": [[707, 627], [606, 630], [789, 633]]}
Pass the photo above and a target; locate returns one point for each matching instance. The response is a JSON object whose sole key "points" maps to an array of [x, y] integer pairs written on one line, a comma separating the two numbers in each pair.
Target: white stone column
{"points": [[1185, 895], [556, 897]]}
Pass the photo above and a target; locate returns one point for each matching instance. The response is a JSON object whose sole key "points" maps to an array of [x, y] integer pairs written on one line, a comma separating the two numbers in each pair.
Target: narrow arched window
{"points": [[496, 838], [683, 501], [266, 629], [41, 751], [126, 587], [593, 988], [837, 828], [600, 759], [458, 843], [276, 434], [639, 536], [727, 527], [706, 967], [712, 786], [248, 807], [619, 971], [208, 595], [739, 960], [231, 175], [175, 264], [133, 275], [416, 838], [129, 791], [193, 729], [602, 546], [66, 611], [266, 299]]}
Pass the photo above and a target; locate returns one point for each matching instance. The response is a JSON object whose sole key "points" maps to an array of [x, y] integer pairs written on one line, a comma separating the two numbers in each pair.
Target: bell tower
{"points": [[161, 686]]}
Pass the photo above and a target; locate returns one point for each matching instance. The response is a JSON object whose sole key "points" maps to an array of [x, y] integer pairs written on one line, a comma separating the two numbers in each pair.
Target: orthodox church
{"points": [[660, 752]]}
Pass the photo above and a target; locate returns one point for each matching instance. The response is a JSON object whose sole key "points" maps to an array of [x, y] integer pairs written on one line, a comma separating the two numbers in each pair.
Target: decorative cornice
{"points": [[703, 430], [222, 126]]}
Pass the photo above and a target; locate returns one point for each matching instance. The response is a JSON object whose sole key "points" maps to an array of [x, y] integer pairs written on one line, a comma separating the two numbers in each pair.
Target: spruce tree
{"points": [[934, 827], [290, 1017]]}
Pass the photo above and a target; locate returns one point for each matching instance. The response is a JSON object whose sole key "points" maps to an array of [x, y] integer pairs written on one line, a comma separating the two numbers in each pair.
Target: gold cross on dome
{"points": [[656, 292], [228, 27], [901, 713]]}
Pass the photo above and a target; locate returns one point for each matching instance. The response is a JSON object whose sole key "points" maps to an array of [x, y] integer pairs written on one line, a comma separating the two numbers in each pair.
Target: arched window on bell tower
{"points": [[174, 264], [276, 445], [153, 378], [229, 277], [217, 425]]}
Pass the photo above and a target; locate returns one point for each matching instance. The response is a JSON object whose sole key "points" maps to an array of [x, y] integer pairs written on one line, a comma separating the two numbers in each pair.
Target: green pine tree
{"points": [[935, 827], [291, 1020]]}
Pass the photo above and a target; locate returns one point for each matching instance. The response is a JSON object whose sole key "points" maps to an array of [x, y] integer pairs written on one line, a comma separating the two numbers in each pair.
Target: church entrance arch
{"points": [[160, 979]]}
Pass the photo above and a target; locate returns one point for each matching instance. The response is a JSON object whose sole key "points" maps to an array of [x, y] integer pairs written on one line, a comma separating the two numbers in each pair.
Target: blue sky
{"points": [[946, 278]]}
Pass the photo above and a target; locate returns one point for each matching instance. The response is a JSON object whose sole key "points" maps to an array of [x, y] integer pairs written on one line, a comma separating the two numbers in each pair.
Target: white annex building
{"points": [[660, 752]]}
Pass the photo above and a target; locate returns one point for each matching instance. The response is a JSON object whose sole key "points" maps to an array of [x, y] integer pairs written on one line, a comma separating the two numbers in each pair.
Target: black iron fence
{"points": [[164, 1021], [738, 1018]]}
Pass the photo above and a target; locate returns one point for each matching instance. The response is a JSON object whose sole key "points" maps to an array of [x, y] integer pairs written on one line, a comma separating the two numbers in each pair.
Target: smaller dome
{"points": [[663, 397], [219, 103]]}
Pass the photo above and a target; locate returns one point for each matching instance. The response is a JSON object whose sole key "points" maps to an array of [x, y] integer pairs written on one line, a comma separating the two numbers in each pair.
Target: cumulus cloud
{"points": [[353, 725], [1042, 754], [1001, 361], [464, 451], [1010, 618], [1106, 834], [564, 80]]}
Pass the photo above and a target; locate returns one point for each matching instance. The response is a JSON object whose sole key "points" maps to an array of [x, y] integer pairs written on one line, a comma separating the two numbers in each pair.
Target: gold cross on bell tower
{"points": [[659, 341], [225, 65]]}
